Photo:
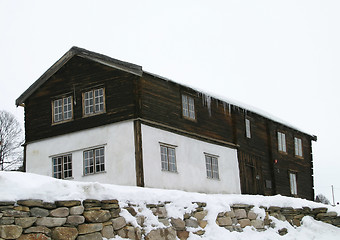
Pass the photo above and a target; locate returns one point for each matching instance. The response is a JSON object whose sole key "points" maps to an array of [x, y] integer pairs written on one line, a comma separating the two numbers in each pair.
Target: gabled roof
{"points": [[137, 70], [75, 51]]}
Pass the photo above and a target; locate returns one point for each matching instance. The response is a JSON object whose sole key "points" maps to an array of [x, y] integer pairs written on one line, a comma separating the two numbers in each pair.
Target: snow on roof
{"points": [[231, 102]]}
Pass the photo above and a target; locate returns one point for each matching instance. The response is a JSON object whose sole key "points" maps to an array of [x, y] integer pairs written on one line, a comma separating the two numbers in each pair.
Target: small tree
{"points": [[322, 199], [11, 139]]}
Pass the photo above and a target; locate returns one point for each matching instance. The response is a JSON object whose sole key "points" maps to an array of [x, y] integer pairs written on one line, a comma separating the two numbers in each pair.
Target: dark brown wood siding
{"points": [[162, 103], [74, 78], [253, 153], [288, 162]]}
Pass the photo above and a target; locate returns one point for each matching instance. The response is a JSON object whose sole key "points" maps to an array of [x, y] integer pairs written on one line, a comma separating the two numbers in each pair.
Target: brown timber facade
{"points": [[273, 158]]}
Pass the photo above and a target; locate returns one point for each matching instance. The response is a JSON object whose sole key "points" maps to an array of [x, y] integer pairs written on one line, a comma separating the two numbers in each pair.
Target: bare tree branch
{"points": [[11, 139]]}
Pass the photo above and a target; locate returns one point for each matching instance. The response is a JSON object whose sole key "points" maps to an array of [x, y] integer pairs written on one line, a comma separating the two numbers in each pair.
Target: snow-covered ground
{"points": [[16, 186]]}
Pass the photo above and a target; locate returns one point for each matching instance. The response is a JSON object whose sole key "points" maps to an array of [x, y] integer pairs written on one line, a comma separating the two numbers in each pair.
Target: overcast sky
{"points": [[280, 56]]}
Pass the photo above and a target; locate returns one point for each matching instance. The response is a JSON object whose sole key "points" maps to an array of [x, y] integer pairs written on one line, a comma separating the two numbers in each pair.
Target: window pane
{"points": [[279, 143], [214, 164], [293, 186], [164, 158], [67, 108], [191, 108], [99, 156], [99, 100], [283, 142], [88, 162], [185, 106], [58, 110], [88, 101], [208, 166], [172, 159], [248, 128]]}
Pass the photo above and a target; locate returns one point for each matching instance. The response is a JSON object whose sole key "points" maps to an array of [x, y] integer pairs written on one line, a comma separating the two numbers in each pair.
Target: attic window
{"points": [[248, 134], [281, 141], [94, 102], [298, 147], [188, 107], [62, 109]]}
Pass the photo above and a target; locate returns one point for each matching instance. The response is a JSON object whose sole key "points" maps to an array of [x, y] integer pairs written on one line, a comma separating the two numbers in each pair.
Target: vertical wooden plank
{"points": [[138, 153]]}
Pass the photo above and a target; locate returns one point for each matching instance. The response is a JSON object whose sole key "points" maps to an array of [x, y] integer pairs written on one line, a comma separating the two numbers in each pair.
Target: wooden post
{"points": [[138, 153]]}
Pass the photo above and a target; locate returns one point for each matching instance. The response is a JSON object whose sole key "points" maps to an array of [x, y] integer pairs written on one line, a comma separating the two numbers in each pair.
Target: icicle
{"points": [[206, 100], [224, 107], [229, 106]]}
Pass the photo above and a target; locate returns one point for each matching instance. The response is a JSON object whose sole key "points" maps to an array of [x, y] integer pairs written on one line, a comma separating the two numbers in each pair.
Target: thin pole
{"points": [[333, 195]]}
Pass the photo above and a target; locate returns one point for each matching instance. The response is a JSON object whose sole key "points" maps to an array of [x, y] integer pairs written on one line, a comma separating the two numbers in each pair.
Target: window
{"points": [[293, 186], [168, 158], [62, 109], [188, 107], [62, 166], [281, 138], [248, 135], [94, 161], [211, 163], [94, 101], [298, 147]]}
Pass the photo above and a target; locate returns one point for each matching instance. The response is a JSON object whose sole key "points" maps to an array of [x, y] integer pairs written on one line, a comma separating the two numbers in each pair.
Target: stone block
{"points": [[107, 232], [38, 229], [25, 222], [202, 223], [34, 236], [64, 233], [49, 205], [160, 212], [183, 235], [110, 201], [118, 223], [131, 210], [50, 221], [141, 219], [60, 212], [224, 221], [326, 215], [130, 233], [75, 220], [162, 234], [91, 236], [178, 224], [252, 215], [90, 228], [258, 224], [283, 231], [114, 213], [91, 203], [296, 222], [31, 203], [200, 215], [108, 206], [77, 210], [230, 214], [39, 212], [192, 223], [15, 213], [97, 216], [22, 208], [6, 220], [316, 211], [240, 213], [244, 222], [67, 203], [199, 232], [164, 221], [10, 231], [7, 203]]}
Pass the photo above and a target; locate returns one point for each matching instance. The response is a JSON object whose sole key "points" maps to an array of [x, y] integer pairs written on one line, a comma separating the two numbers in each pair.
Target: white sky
{"points": [[279, 56]]}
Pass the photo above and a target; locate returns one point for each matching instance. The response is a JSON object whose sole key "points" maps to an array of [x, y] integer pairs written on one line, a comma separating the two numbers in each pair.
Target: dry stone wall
{"points": [[94, 219]]}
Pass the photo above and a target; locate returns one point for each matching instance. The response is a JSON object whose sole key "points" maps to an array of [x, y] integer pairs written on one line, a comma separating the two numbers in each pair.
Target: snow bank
{"points": [[15, 186]]}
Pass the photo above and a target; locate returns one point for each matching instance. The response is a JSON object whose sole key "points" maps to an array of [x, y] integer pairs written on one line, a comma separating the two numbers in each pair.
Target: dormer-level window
{"points": [[188, 107], [298, 147], [62, 109], [248, 134], [281, 142], [94, 102]]}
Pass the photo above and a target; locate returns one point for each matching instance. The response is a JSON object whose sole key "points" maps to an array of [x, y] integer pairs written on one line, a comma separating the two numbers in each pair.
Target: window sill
{"points": [[91, 174], [92, 114], [170, 171], [61, 122], [216, 179], [283, 153]]}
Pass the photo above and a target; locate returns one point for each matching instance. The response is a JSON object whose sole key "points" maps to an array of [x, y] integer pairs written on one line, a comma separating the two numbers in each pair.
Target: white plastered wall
{"points": [[117, 139], [190, 158]]}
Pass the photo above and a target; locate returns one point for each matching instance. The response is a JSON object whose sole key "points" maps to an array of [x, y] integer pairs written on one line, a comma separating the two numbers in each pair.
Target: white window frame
{"points": [[62, 166], [94, 161], [94, 102], [293, 183], [248, 133], [62, 109], [211, 164], [298, 147], [168, 158], [188, 107], [281, 142]]}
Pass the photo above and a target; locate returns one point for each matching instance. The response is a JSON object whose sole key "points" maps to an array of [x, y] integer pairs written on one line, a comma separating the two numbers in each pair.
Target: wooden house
{"points": [[90, 117]]}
